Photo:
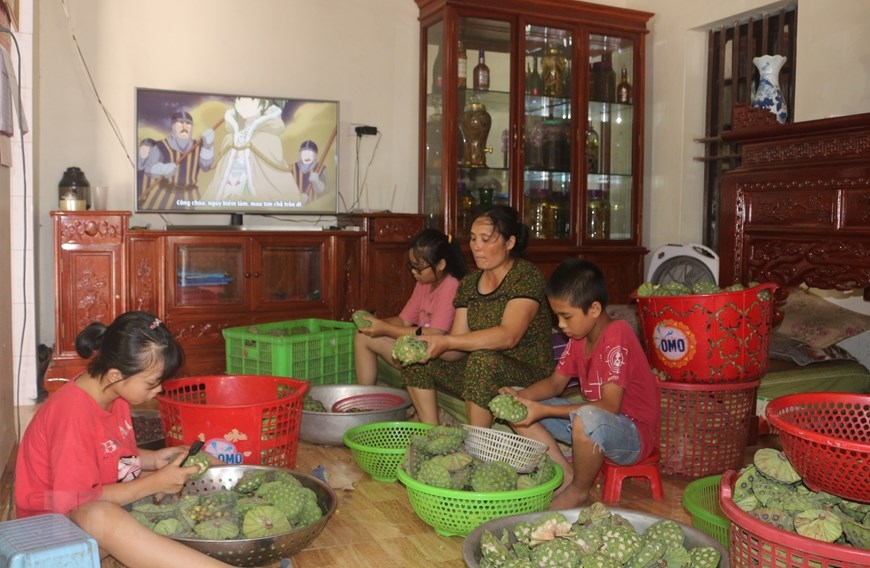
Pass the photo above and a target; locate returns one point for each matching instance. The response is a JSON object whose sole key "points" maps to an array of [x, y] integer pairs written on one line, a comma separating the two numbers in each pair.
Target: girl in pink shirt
{"points": [[437, 264]]}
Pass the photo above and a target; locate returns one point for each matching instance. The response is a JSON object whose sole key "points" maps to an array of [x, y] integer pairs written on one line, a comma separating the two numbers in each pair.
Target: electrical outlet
{"points": [[357, 129]]}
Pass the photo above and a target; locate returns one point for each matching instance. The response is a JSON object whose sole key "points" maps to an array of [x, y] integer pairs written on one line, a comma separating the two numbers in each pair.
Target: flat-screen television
{"points": [[236, 154]]}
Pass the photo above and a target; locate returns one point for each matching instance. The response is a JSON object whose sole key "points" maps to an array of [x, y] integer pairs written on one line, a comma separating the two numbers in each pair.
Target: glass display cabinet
{"points": [[538, 105]]}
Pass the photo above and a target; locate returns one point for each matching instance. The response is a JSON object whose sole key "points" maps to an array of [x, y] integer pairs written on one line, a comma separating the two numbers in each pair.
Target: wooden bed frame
{"points": [[797, 209]]}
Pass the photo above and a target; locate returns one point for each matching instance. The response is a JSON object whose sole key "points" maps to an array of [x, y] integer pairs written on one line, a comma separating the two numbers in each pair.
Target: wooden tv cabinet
{"points": [[200, 282]]}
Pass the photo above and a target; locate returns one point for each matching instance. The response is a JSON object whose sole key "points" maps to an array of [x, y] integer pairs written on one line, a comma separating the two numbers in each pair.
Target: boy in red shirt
{"points": [[619, 416]]}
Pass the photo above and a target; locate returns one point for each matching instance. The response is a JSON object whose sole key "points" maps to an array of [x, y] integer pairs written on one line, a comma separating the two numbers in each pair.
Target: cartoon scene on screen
{"points": [[218, 153]]}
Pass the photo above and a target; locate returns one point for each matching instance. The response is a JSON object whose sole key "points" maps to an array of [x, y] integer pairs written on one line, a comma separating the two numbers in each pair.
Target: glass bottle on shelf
{"points": [[608, 82], [481, 73], [593, 148], [462, 66], [433, 140], [559, 214], [528, 76], [485, 195], [437, 73], [466, 206], [623, 89], [598, 215], [534, 84], [538, 215]]}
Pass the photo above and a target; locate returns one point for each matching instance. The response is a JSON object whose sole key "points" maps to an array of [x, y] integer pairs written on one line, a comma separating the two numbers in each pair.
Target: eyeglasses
{"points": [[417, 269]]}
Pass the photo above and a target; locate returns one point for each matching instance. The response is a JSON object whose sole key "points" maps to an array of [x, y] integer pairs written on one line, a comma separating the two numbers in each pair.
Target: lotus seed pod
{"points": [[170, 527], [775, 465], [556, 553], [250, 481], [598, 560], [217, 529], [265, 521], [676, 556], [408, 350], [506, 407], [664, 530], [778, 518], [857, 534], [818, 524], [705, 557], [621, 543], [434, 474], [312, 404], [200, 460], [743, 495], [495, 550], [359, 318], [649, 554]]}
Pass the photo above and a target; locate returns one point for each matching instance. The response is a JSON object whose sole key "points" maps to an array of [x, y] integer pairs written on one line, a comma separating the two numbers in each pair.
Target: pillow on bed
{"points": [[817, 322], [788, 349]]}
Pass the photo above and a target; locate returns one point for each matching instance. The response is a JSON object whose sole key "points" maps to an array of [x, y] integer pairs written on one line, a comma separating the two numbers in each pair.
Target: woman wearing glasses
{"points": [[437, 264], [501, 330]]}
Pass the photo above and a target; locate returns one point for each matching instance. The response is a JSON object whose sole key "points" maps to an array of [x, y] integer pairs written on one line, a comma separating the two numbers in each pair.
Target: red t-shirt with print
{"points": [[618, 357], [72, 448]]}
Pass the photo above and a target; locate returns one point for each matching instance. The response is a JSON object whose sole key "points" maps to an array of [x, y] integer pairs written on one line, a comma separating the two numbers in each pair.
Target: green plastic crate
{"points": [[319, 351]]}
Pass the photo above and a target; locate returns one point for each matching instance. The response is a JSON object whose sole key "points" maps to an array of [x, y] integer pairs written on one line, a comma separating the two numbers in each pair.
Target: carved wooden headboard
{"points": [[797, 210]]}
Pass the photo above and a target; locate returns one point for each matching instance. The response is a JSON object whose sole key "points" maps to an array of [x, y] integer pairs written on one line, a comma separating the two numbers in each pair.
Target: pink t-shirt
{"points": [[72, 448], [618, 357], [428, 307]]}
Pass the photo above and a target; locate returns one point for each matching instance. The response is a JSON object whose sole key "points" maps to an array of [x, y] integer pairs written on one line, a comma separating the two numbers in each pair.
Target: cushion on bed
{"points": [[811, 319], [787, 349]]}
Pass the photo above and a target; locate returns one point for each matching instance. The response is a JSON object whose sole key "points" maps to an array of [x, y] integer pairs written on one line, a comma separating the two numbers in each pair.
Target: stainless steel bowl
{"points": [[258, 551], [640, 521], [328, 428]]}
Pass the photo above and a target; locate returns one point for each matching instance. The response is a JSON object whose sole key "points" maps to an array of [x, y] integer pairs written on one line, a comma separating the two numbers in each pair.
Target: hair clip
{"points": [[449, 238], [155, 324]]}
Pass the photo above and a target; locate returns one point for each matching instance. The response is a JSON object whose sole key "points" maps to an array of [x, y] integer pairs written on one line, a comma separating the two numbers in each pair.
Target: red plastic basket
{"points": [[826, 437], [709, 338], [756, 543], [704, 428], [243, 419]]}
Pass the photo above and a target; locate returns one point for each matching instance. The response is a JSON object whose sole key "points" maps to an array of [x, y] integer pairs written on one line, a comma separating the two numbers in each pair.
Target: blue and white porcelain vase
{"points": [[768, 94]]}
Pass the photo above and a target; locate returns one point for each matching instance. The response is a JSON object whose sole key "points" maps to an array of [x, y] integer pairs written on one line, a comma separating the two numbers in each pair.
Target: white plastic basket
{"points": [[489, 445]]}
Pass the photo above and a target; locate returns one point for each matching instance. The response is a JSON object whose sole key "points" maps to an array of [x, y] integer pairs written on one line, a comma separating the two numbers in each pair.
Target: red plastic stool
{"points": [[614, 475]]}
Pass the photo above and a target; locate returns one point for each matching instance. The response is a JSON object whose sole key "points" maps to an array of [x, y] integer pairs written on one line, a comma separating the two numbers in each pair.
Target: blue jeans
{"points": [[615, 434]]}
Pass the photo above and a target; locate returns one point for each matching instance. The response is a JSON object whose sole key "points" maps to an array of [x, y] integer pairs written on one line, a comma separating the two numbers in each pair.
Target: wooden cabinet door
{"points": [[205, 274], [89, 282], [386, 283], [292, 275]]}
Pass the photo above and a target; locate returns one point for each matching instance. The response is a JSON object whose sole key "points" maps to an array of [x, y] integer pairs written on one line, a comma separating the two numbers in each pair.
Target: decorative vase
{"points": [[475, 124], [768, 94]]}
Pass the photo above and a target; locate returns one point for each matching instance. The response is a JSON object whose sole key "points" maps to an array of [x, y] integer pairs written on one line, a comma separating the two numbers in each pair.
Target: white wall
{"points": [[22, 230], [364, 53], [832, 78]]}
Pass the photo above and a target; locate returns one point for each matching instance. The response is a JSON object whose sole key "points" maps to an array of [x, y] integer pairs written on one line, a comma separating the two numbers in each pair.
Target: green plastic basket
{"points": [[379, 448], [701, 499], [313, 350], [453, 512]]}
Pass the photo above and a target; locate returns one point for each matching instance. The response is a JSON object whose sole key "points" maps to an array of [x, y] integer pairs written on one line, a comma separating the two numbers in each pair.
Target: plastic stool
{"points": [[614, 475]]}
